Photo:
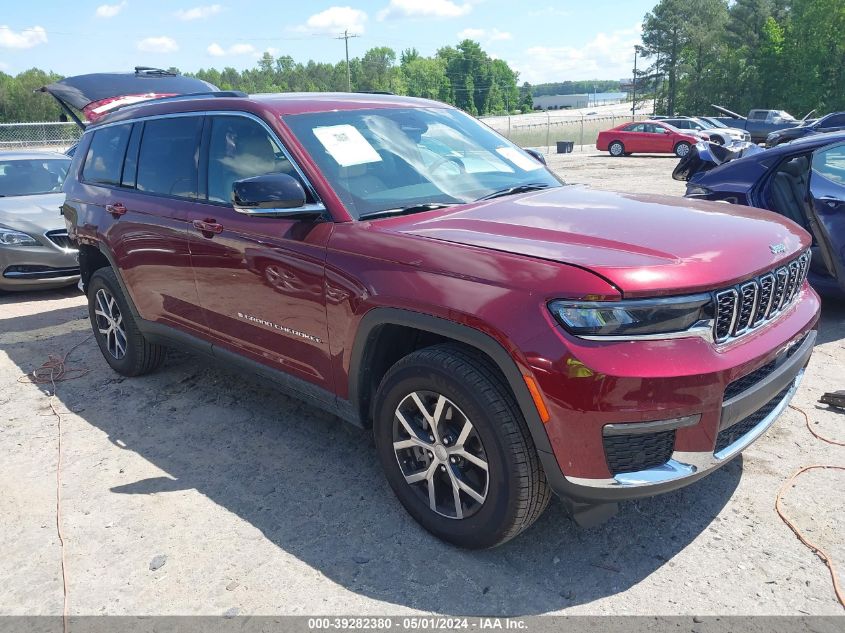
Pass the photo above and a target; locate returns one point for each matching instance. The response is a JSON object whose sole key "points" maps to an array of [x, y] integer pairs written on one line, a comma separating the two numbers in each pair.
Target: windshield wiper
{"points": [[517, 189], [411, 208]]}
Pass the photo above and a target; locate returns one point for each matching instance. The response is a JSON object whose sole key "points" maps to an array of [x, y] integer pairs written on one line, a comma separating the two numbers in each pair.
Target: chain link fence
{"points": [[45, 135], [545, 130]]}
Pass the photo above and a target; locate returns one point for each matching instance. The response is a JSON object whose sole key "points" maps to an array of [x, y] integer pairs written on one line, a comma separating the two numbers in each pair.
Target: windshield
{"points": [[713, 122], [27, 177], [395, 158]]}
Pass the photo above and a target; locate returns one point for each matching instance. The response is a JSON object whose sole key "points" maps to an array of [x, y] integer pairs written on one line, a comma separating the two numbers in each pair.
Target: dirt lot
{"points": [[257, 504]]}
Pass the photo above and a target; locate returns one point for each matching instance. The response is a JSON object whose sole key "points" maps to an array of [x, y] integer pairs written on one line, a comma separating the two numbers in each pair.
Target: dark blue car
{"points": [[803, 180]]}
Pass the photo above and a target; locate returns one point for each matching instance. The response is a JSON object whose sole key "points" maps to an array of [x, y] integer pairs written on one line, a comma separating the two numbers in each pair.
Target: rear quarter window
{"points": [[104, 159]]}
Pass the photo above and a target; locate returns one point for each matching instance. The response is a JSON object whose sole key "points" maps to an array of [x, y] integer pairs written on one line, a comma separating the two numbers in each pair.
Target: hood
{"points": [[34, 215], [644, 245], [705, 156], [99, 93]]}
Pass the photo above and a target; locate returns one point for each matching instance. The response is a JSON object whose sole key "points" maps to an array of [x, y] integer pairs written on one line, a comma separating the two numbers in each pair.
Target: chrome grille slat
{"points": [[755, 302]]}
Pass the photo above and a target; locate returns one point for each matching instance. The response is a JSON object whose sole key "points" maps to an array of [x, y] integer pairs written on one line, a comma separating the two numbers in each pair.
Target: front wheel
{"points": [[455, 448], [682, 149]]}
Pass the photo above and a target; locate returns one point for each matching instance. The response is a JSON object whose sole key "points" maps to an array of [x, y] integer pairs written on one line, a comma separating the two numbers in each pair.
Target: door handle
{"points": [[208, 226], [117, 209]]}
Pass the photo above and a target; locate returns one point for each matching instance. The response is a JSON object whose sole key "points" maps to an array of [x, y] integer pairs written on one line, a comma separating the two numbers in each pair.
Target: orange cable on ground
{"points": [[52, 371], [818, 551]]}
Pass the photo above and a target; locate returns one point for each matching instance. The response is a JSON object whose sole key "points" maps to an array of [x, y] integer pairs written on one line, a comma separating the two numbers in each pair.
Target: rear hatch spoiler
{"points": [[97, 94], [705, 155], [727, 112]]}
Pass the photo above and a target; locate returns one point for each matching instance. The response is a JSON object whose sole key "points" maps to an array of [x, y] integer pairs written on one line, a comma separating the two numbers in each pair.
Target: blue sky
{"points": [[545, 40]]}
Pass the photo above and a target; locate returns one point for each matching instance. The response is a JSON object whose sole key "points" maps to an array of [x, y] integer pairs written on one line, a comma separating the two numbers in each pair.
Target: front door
{"points": [[261, 280], [827, 192]]}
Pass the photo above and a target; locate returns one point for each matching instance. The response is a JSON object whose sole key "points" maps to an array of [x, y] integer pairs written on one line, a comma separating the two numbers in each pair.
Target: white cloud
{"points": [[198, 13], [161, 44], [215, 50], [493, 35], [549, 11], [335, 20], [424, 9], [25, 38], [110, 10], [607, 56]]}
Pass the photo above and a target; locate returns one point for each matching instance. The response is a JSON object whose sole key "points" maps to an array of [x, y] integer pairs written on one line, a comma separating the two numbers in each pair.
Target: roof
{"points": [[284, 103], [35, 154]]}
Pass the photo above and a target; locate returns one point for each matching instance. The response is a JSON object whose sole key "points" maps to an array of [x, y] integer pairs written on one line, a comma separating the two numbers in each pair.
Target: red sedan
{"points": [[647, 137]]}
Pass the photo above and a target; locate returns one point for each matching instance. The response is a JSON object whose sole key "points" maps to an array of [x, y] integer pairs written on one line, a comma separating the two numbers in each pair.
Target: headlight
{"points": [[8, 237], [634, 317], [697, 191]]}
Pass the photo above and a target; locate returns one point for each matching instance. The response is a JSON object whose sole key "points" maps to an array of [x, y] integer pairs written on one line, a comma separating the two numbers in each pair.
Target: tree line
{"points": [[744, 54], [463, 75]]}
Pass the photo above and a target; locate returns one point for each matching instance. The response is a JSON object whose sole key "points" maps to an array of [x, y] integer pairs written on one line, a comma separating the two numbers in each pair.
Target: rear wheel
{"points": [[455, 448], [121, 342], [616, 148], [682, 149]]}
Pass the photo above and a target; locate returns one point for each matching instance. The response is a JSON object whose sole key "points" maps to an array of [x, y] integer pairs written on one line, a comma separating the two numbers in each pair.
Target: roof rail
{"points": [[149, 70], [374, 92], [186, 97]]}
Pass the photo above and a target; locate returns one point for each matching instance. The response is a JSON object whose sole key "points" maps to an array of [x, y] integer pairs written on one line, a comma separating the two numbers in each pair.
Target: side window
{"points": [[837, 120], [830, 164], [130, 165], [240, 148], [168, 157], [636, 127], [104, 160]]}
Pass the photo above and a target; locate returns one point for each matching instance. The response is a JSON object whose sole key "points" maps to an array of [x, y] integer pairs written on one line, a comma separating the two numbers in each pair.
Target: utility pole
{"points": [[634, 86], [345, 37]]}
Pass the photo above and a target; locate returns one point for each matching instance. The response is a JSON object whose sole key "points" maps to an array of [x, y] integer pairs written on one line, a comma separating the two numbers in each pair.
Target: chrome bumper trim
{"points": [[686, 464]]}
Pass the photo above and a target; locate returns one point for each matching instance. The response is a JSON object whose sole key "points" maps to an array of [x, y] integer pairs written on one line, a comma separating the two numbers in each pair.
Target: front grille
{"points": [[728, 436], [635, 452], [60, 238], [753, 303]]}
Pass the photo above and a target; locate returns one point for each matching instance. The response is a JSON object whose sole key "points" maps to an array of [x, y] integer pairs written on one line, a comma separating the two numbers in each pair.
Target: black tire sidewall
{"points": [[484, 528], [105, 278]]}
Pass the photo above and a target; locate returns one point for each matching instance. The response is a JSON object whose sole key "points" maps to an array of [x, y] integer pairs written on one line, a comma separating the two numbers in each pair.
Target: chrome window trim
{"points": [[203, 113]]}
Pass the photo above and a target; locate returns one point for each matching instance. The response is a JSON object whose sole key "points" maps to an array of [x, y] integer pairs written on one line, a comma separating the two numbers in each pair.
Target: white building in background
{"points": [[559, 102]]}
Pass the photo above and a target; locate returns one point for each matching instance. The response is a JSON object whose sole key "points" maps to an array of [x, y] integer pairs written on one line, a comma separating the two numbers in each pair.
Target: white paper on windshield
{"points": [[523, 161], [346, 145]]}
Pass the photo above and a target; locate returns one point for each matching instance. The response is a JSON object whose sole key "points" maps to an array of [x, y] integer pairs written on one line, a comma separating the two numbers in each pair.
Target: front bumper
{"points": [[770, 396], [713, 401], [28, 268]]}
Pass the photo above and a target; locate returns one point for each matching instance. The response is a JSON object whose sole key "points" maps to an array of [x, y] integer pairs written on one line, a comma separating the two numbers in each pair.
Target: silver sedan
{"points": [[35, 251]]}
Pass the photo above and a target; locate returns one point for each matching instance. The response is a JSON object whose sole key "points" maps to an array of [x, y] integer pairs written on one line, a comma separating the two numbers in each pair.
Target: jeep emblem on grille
{"points": [[777, 248]]}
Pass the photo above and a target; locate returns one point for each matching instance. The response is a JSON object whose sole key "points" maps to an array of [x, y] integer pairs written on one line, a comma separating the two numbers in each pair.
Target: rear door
{"points": [[827, 190], [261, 280], [633, 137], [142, 177]]}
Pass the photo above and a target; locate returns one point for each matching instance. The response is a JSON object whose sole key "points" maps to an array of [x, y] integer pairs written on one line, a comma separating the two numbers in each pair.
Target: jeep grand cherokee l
{"points": [[393, 260]]}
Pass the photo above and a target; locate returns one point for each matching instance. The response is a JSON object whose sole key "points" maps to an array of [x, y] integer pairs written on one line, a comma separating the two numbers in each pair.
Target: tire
{"points": [[682, 149], [513, 490], [115, 330], [616, 148], [717, 139]]}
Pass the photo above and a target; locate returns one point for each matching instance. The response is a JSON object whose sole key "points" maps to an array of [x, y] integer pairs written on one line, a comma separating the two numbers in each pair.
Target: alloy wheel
{"points": [[440, 454], [110, 323]]}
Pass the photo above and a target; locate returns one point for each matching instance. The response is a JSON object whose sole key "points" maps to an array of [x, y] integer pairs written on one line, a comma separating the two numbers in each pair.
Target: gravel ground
{"points": [[197, 490]]}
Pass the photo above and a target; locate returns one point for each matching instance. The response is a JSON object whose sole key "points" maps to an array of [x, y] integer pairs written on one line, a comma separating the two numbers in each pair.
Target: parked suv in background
{"points": [[398, 263], [720, 134]]}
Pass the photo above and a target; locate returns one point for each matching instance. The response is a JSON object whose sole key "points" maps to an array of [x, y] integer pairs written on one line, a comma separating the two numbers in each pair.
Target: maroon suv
{"points": [[398, 263]]}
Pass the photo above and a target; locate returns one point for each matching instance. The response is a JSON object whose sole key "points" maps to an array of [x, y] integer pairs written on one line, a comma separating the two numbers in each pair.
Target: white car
{"points": [[719, 132]]}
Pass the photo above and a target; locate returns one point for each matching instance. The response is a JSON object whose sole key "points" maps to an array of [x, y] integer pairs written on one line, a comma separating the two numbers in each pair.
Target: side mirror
{"points": [[536, 154], [272, 195]]}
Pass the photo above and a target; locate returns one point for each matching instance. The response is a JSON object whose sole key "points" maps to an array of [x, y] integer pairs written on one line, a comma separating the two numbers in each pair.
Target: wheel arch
{"points": [[370, 359]]}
